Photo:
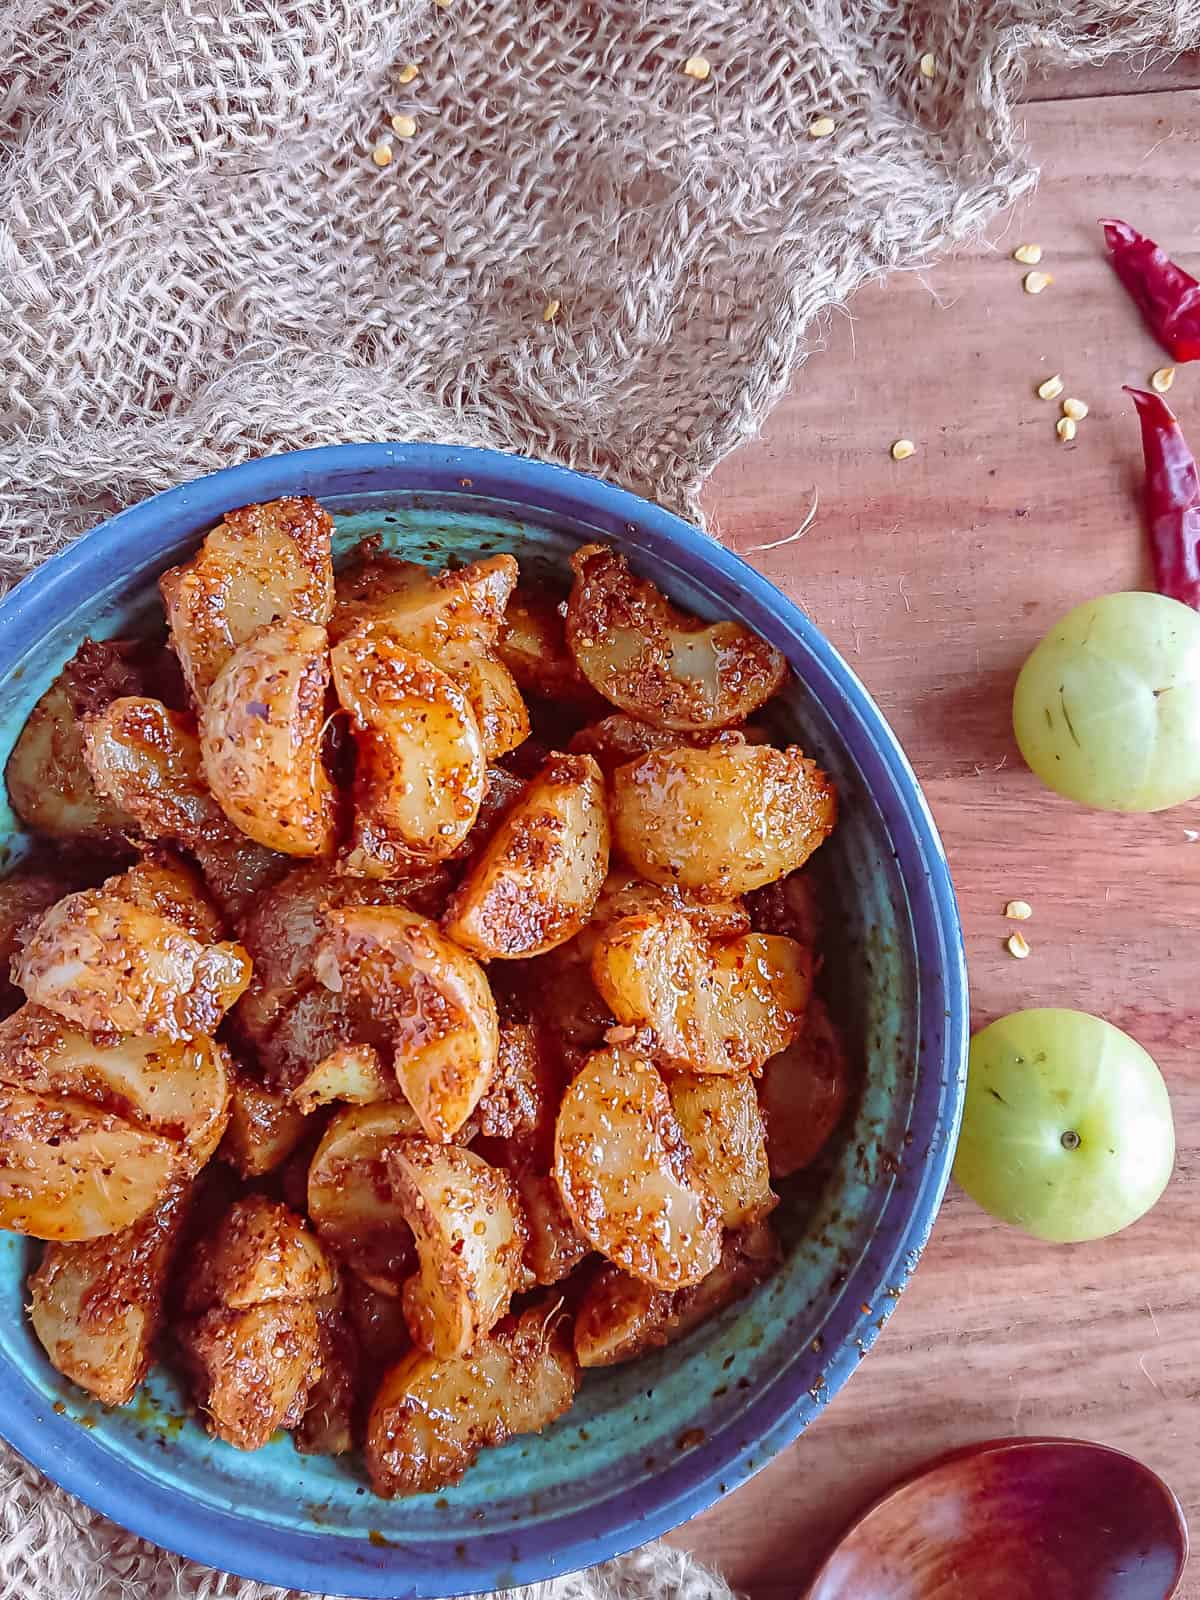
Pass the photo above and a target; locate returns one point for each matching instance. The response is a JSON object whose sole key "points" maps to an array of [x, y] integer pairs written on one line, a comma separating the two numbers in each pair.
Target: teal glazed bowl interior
{"points": [[649, 1444]]}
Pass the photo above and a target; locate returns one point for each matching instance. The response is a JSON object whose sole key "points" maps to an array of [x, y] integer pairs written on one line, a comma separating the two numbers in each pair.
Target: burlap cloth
{"points": [[201, 260]]}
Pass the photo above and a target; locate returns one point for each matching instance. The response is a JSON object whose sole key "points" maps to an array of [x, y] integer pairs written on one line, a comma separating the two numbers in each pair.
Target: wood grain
{"points": [[1148, 76], [935, 577]]}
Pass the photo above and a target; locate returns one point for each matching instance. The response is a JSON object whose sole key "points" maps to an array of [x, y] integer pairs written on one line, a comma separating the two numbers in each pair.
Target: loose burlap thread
{"points": [[200, 261]]}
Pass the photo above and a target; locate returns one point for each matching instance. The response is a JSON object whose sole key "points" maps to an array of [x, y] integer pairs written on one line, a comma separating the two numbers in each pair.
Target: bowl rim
{"points": [[331, 1563]]}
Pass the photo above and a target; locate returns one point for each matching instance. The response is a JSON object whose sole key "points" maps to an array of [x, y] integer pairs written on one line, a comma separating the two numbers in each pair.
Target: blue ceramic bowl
{"points": [[650, 1444]]}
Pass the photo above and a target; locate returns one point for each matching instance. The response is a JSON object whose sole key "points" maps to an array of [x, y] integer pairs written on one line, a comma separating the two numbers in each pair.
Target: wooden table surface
{"points": [[935, 577]]}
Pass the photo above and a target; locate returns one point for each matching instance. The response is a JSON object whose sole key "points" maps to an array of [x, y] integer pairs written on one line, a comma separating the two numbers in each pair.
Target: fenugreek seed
{"points": [[1017, 945], [1051, 389], [902, 449], [381, 154], [928, 65], [1035, 282], [1018, 911], [821, 127], [553, 307], [696, 67], [1075, 409], [403, 126], [408, 74], [1065, 429], [1028, 254], [1162, 380]]}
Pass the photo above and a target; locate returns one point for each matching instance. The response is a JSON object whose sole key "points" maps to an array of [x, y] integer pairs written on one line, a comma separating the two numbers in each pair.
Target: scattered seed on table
{"points": [[1028, 254], [1051, 388], [553, 307], [1018, 911], [408, 74], [902, 449], [1076, 410], [381, 154], [1065, 429], [928, 65], [1017, 945], [404, 126], [1162, 380], [696, 67], [821, 127], [1035, 282]]}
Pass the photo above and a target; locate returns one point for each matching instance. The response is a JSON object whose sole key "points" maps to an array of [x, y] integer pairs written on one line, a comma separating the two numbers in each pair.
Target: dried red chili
{"points": [[1168, 296], [1172, 499]]}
